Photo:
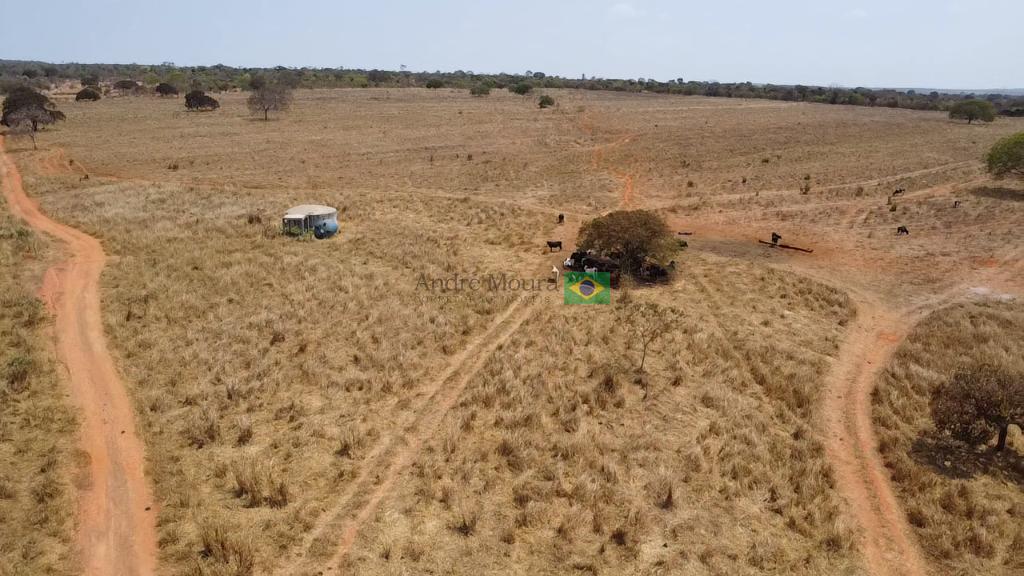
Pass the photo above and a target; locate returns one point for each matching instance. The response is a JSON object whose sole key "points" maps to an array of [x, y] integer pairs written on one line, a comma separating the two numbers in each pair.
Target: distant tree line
{"points": [[221, 78]]}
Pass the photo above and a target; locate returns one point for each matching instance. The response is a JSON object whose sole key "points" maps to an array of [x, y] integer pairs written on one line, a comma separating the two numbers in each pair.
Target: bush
{"points": [[545, 101], [521, 88], [87, 95], [165, 89], [978, 403], [434, 83], [198, 100], [124, 86], [480, 90], [1007, 156], [972, 110]]}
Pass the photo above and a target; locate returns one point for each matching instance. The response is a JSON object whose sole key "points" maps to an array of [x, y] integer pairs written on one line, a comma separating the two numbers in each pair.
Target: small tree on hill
{"points": [[199, 100], [972, 110], [87, 95], [1007, 157], [165, 89], [38, 109], [631, 236], [646, 322], [978, 403], [125, 86], [545, 101], [271, 96]]}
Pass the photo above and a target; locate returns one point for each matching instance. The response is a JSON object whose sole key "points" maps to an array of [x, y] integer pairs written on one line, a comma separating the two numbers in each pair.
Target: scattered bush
{"points": [[434, 83], [545, 101], [199, 100], [87, 95], [256, 482], [1007, 156], [16, 372], [480, 90], [972, 110], [274, 96], [125, 86]]}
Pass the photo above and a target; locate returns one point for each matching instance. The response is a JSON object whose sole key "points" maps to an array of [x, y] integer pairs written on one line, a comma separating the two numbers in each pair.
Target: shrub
{"points": [[1007, 156], [165, 89], [978, 403], [16, 372], [434, 83], [521, 88], [480, 90], [271, 96], [124, 86], [545, 101], [199, 100], [972, 110], [87, 95], [257, 483]]}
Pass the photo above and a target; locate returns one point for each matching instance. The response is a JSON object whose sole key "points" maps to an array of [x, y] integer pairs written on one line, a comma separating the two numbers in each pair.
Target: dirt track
{"points": [[116, 515]]}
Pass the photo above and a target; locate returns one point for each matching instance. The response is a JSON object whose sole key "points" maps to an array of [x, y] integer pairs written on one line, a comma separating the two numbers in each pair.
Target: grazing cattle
{"points": [[902, 231], [590, 269], [554, 275], [899, 191], [956, 204], [553, 244], [561, 218], [775, 238]]}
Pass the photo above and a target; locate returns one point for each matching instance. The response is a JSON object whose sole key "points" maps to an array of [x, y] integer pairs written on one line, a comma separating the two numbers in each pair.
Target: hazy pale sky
{"points": [[892, 43]]}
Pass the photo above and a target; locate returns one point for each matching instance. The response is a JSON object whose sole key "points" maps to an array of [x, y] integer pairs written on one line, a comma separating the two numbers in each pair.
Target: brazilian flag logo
{"points": [[588, 288]]}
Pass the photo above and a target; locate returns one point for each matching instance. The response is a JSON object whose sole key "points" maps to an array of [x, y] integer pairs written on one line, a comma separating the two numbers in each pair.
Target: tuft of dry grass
{"points": [[966, 504]]}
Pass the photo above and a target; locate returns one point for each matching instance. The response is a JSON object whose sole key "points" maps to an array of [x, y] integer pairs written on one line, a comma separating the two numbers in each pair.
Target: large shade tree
{"points": [[630, 236], [25, 104], [972, 110]]}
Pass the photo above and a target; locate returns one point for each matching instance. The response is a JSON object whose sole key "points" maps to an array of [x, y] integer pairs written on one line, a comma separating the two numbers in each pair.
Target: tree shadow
{"points": [[999, 193], [957, 460]]}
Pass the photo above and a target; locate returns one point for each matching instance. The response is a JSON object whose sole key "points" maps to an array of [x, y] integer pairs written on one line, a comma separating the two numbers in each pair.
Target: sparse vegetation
{"points": [[165, 89], [480, 90], [125, 87], [521, 88], [545, 101], [434, 83], [272, 96]]}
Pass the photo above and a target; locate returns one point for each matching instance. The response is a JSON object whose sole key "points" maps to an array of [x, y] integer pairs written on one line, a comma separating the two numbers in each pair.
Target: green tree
{"points": [[37, 108], [972, 110], [980, 402], [480, 90], [1007, 156], [434, 83], [630, 236]]}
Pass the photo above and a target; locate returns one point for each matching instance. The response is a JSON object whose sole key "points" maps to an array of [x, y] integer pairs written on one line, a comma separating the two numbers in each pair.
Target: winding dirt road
{"points": [[116, 519]]}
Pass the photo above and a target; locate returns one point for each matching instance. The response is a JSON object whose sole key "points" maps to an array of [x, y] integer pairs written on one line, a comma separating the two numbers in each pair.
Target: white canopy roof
{"points": [[311, 210]]}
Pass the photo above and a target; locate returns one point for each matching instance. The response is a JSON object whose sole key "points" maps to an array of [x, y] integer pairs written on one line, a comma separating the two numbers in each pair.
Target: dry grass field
{"points": [[305, 404], [967, 507], [36, 425]]}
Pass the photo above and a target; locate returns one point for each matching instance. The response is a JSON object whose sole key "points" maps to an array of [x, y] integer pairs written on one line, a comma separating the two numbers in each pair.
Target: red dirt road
{"points": [[116, 516]]}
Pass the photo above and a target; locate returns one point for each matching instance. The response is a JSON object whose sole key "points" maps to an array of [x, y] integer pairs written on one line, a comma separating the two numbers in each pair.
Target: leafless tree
{"points": [[646, 322], [272, 96]]}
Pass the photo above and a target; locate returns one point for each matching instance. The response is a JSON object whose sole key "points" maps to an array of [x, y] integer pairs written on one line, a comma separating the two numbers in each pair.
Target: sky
{"points": [[953, 44]]}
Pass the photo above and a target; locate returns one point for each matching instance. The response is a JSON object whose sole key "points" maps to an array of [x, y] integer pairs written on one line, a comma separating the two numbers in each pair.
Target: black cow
{"points": [[776, 237], [561, 218], [956, 204], [552, 244], [902, 231], [899, 191]]}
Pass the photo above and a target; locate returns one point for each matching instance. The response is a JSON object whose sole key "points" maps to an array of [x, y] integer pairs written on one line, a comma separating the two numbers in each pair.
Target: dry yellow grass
{"points": [[966, 505], [269, 373], [36, 423]]}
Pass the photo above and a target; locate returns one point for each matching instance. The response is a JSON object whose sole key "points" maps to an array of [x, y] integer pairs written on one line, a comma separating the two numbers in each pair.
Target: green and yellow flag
{"points": [[588, 288]]}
